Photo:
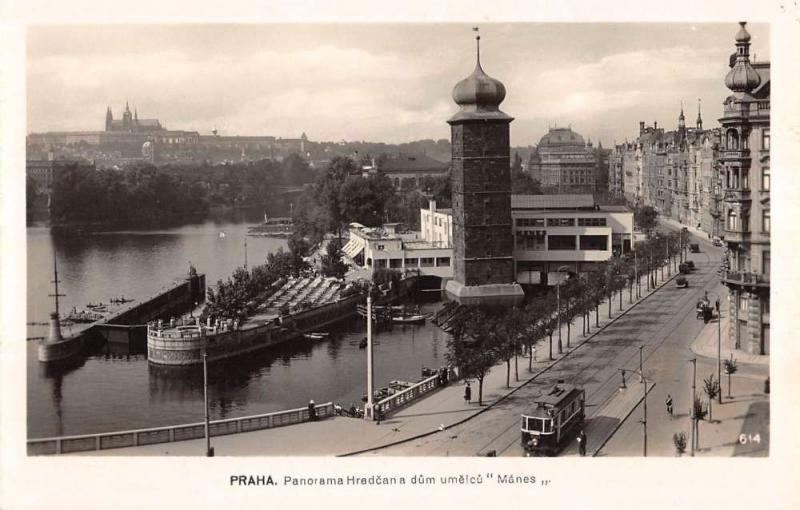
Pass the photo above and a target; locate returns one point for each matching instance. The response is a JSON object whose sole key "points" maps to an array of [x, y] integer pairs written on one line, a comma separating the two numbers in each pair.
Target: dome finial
{"points": [[478, 43]]}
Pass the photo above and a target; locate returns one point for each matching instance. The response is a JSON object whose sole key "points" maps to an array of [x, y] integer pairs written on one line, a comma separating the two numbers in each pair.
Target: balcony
{"points": [[735, 154], [736, 236], [736, 195], [745, 279]]}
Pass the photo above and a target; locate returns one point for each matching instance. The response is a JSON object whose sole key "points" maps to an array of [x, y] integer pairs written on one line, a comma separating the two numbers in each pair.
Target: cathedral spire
{"points": [[699, 118]]}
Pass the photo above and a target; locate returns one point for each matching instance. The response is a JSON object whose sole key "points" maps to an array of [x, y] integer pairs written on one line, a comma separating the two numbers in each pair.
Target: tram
{"points": [[556, 419]]}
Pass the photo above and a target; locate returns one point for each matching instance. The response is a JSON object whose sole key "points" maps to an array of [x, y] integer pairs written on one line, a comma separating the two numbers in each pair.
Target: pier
{"points": [[122, 321]]}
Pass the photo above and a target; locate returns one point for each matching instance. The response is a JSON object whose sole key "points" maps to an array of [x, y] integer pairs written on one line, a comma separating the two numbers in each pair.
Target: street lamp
{"points": [[558, 306], [719, 345], [209, 450]]}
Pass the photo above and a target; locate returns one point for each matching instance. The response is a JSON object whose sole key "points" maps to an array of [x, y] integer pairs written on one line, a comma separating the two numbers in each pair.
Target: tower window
{"points": [[765, 178], [765, 139], [765, 220]]}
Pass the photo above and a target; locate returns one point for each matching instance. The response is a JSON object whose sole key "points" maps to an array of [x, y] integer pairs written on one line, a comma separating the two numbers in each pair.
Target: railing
{"points": [[169, 434], [746, 278], [399, 399]]}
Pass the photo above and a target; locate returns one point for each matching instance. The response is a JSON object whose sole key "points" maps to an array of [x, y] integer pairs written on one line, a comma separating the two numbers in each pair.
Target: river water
{"points": [[119, 391]]}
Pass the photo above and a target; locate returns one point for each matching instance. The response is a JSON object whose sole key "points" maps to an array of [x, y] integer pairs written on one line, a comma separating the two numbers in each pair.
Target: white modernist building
{"points": [[552, 234], [428, 252], [558, 233]]}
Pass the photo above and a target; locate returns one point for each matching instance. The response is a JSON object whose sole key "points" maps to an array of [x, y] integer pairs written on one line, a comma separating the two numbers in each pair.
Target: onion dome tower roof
{"points": [[742, 77], [479, 95]]}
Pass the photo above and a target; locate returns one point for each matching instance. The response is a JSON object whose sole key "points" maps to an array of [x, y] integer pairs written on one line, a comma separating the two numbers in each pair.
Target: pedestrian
{"points": [[467, 394], [669, 404], [312, 411], [378, 414], [582, 443]]}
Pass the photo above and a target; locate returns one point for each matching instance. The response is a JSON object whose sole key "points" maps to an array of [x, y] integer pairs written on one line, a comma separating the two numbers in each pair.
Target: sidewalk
{"points": [[440, 410], [705, 344]]}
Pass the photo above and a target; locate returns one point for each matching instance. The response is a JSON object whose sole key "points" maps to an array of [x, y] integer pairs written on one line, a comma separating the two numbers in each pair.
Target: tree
{"points": [[332, 264], [510, 326], [730, 369], [470, 346], [679, 440], [522, 183], [646, 217], [712, 389], [299, 249], [698, 413]]}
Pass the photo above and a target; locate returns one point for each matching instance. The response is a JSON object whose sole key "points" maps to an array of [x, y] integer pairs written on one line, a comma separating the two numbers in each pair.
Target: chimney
{"points": [[432, 204], [641, 127]]}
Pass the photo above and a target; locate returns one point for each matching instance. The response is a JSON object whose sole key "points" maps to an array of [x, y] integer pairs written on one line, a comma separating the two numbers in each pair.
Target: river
{"points": [[121, 391]]}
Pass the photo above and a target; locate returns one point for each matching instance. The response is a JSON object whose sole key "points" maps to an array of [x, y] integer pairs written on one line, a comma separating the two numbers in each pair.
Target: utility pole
{"points": [[245, 252], [636, 274], [719, 351], [370, 374], [558, 315], [644, 382], [693, 361], [209, 450]]}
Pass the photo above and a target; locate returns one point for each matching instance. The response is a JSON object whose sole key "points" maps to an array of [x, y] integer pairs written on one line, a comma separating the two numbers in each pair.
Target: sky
{"points": [[378, 82]]}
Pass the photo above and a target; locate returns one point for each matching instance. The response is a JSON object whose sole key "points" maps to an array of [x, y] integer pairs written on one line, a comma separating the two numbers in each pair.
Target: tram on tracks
{"points": [[556, 419]]}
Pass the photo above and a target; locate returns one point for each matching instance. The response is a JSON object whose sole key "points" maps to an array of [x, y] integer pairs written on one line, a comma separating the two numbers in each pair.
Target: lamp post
{"points": [[209, 450], [644, 400], [719, 345], [693, 361], [370, 370], [558, 308]]}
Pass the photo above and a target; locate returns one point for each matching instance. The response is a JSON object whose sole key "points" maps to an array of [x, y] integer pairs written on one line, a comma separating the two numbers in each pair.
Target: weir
{"points": [[123, 322]]}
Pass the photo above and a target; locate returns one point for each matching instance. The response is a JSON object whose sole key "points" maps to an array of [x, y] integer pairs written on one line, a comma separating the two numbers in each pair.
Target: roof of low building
{"points": [[567, 201], [413, 163]]}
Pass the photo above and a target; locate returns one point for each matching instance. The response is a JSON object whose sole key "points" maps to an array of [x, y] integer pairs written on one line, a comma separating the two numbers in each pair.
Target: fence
{"points": [[401, 398], [124, 439]]}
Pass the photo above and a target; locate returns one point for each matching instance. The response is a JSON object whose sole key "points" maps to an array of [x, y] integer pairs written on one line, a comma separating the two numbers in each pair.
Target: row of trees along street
{"points": [[484, 336]]}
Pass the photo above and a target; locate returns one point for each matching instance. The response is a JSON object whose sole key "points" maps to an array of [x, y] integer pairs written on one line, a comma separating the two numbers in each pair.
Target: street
{"points": [[665, 324]]}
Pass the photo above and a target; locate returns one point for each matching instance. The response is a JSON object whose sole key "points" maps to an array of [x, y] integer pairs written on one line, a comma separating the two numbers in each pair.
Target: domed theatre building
{"points": [[564, 163]]}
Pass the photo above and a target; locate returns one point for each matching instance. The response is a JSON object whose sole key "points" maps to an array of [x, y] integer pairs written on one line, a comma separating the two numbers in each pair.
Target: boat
{"points": [[409, 319], [273, 227], [316, 335]]}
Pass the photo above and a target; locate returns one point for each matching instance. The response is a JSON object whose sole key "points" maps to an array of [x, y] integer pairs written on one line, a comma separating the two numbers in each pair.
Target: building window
{"points": [[591, 222], [531, 240], [560, 222], [765, 139], [426, 262], [561, 243], [732, 140], [443, 261], [765, 221], [412, 262], [765, 266], [594, 243], [732, 220], [395, 263], [765, 178]]}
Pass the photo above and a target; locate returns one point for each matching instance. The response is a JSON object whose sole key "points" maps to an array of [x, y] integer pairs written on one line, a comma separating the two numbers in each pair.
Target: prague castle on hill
{"points": [[130, 138]]}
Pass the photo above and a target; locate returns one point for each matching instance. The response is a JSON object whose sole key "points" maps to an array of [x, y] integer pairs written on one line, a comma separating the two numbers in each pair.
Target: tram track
{"points": [[658, 337]]}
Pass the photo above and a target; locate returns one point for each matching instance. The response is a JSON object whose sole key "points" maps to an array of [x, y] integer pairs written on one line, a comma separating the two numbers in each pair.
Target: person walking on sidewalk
{"points": [[582, 443], [467, 394], [669, 404]]}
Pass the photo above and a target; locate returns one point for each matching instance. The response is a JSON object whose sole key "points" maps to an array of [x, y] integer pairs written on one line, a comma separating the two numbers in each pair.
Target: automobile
{"points": [[682, 281], [716, 241], [694, 248], [690, 263], [684, 268]]}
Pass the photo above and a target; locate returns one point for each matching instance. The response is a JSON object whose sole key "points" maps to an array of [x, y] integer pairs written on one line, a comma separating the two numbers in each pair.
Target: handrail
{"points": [[401, 398], [94, 442]]}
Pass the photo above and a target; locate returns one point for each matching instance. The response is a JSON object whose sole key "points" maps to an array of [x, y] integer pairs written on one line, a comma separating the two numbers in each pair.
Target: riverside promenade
{"points": [[434, 414]]}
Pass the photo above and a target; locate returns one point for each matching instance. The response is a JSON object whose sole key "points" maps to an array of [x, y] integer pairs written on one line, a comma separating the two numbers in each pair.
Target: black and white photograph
{"points": [[324, 258]]}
